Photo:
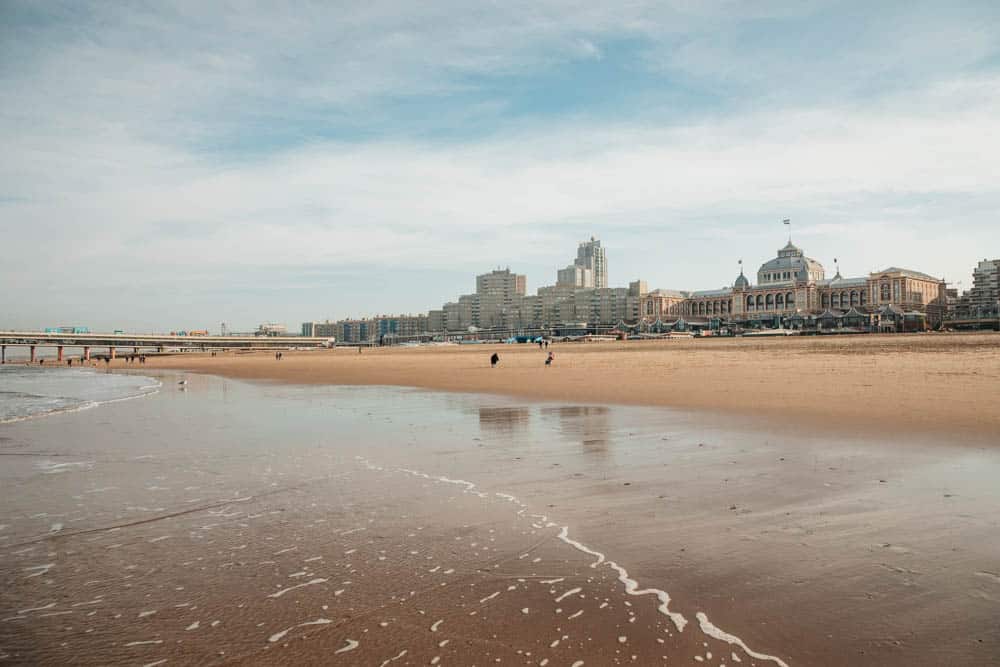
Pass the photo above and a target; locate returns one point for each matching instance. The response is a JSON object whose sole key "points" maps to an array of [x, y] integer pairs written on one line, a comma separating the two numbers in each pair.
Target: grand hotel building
{"points": [[795, 287]]}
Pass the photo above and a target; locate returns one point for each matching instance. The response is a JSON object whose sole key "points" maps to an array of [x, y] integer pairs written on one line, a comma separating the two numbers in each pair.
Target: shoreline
{"points": [[933, 384]]}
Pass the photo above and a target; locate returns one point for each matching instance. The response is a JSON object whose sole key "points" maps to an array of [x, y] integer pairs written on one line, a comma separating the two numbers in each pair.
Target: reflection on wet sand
{"points": [[590, 424], [504, 421]]}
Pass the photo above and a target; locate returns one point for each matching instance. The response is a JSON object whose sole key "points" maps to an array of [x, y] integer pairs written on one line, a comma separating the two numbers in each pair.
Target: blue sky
{"points": [[168, 165]]}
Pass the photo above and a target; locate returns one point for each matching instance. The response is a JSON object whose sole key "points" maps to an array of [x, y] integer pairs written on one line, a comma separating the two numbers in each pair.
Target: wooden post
{"points": [[111, 352], [86, 353], [32, 354], [3, 354], [59, 353]]}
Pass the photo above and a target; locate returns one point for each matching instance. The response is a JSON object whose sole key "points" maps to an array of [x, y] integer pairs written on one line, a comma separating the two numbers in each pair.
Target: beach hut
{"points": [[830, 319]]}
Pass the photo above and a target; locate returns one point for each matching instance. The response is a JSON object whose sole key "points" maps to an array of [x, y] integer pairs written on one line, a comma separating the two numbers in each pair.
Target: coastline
{"points": [[931, 383]]}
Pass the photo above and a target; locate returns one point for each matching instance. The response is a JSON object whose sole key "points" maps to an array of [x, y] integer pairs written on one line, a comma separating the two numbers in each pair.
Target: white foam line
{"points": [[48, 606], [712, 631], [489, 597], [351, 645], [436, 625], [568, 593], [79, 408], [631, 585], [42, 569], [393, 658], [277, 636], [564, 536], [292, 588]]}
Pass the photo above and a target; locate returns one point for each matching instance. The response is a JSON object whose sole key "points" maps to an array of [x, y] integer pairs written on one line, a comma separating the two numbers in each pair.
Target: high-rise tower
{"points": [[590, 255]]}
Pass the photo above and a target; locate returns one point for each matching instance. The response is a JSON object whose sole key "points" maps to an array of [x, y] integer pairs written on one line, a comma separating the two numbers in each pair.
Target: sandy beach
{"points": [[307, 513], [915, 383]]}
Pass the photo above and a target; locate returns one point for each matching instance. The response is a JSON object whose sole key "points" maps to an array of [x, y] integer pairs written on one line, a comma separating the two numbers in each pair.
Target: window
{"points": [[885, 292]]}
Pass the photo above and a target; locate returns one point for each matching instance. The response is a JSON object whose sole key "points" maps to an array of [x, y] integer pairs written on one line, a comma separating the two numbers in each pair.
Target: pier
{"points": [[156, 342]]}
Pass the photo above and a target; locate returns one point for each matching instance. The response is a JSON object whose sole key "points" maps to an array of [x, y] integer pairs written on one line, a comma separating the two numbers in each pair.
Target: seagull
{"points": [[183, 382]]}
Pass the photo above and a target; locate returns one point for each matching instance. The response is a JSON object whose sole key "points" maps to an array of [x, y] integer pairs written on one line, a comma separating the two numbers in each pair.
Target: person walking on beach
{"points": [[494, 360], [549, 359], [540, 343], [546, 344]]}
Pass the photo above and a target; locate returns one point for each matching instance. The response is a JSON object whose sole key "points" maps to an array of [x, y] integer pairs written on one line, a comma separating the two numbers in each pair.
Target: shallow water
{"points": [[32, 391], [222, 519]]}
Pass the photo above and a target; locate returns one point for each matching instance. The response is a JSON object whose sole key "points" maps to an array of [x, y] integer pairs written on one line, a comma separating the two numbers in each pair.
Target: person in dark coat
{"points": [[494, 360]]}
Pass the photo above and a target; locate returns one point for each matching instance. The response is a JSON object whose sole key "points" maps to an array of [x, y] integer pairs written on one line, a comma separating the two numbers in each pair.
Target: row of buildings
{"points": [[791, 291]]}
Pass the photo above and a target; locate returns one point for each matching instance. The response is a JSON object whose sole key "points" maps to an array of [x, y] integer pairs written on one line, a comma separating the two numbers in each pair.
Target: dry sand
{"points": [[925, 382]]}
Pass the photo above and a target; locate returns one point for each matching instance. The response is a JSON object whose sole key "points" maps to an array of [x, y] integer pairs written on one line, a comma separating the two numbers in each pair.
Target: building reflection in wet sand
{"points": [[590, 424], [504, 421]]}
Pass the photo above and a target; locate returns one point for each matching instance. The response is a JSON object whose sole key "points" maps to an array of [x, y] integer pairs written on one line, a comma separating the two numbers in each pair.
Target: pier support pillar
{"points": [[111, 352], [135, 350], [59, 353], [86, 353], [3, 354], [33, 357]]}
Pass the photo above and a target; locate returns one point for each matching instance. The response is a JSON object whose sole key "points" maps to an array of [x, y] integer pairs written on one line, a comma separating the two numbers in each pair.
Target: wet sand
{"points": [[949, 383], [266, 523]]}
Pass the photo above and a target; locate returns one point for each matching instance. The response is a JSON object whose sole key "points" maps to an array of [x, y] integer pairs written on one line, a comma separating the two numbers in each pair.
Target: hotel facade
{"points": [[792, 289]]}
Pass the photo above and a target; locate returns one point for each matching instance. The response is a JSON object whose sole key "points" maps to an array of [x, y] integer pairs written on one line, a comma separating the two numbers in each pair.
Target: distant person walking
{"points": [[549, 359], [494, 360], [546, 344], [540, 343]]}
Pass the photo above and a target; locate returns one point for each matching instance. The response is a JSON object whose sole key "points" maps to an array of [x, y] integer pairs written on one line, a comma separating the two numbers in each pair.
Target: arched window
{"points": [[701, 308], [769, 301], [729, 306], [749, 303], [760, 302], [885, 292], [844, 300], [862, 299], [835, 300], [779, 301], [826, 299], [790, 299], [854, 298]]}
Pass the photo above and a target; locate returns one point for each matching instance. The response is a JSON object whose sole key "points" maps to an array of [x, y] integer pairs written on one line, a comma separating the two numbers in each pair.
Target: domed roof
{"points": [[792, 261], [741, 282]]}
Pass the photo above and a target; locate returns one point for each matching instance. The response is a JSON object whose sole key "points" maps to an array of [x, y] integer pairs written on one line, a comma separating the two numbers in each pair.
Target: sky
{"points": [[177, 165]]}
